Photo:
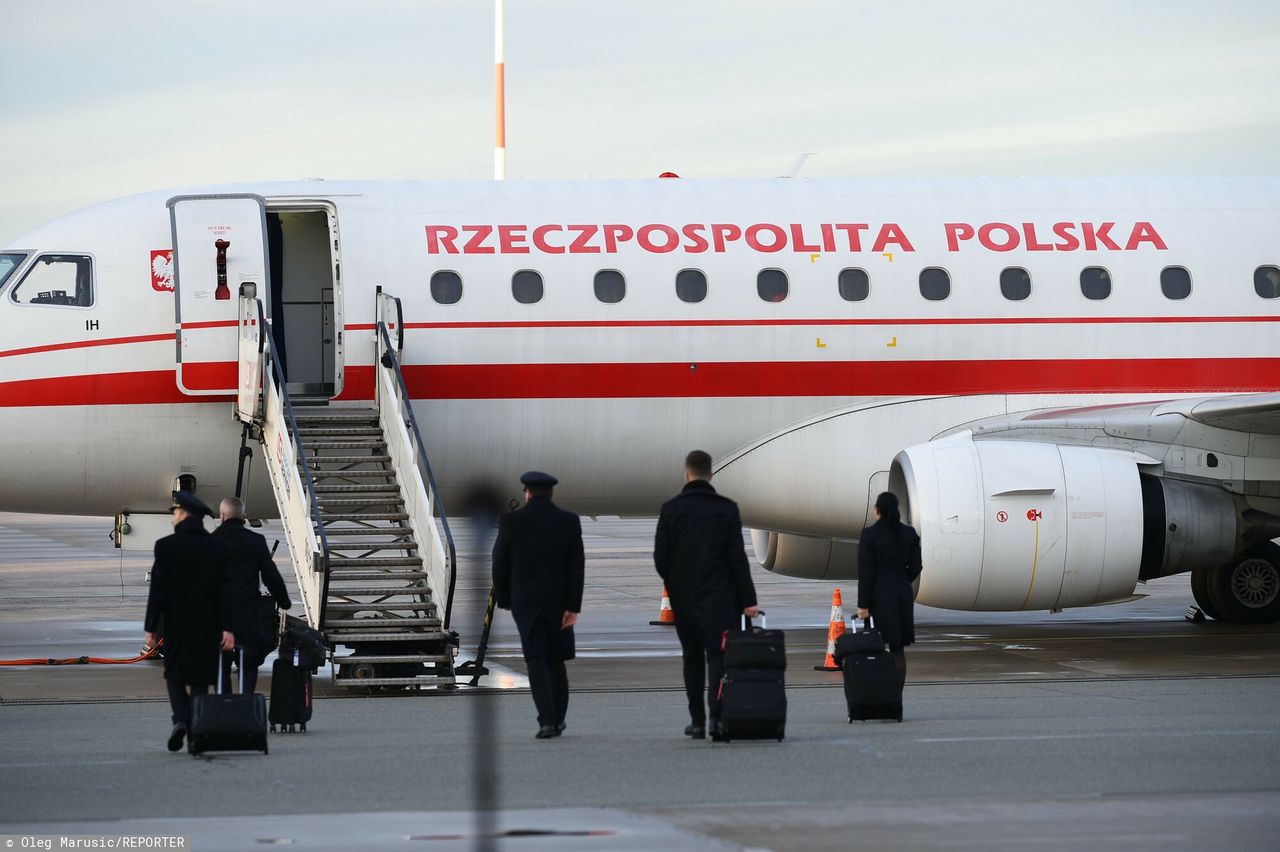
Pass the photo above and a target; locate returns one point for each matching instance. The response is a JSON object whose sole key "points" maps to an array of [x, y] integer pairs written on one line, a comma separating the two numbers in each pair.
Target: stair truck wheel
{"points": [[1247, 590]]}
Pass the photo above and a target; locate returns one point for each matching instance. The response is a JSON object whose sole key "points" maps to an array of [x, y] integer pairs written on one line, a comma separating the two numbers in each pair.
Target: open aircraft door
{"points": [[219, 243]]}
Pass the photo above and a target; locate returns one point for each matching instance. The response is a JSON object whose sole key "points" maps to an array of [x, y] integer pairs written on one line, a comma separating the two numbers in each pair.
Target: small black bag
{"points": [[865, 641], [309, 644], [232, 722], [268, 624], [754, 647], [568, 644]]}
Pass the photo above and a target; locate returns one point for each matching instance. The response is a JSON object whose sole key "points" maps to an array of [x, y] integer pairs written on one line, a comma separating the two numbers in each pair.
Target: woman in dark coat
{"points": [[888, 563]]}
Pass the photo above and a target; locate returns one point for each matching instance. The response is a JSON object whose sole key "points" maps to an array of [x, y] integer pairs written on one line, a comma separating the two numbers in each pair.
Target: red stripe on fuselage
{"points": [[715, 380]]}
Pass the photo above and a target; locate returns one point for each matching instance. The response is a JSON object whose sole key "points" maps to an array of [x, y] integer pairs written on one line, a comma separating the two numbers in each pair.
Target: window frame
{"points": [[595, 285], [17, 272], [840, 284], [542, 287], [786, 279], [706, 285], [462, 287], [920, 283], [1111, 283], [1190, 283], [1030, 283], [28, 265]]}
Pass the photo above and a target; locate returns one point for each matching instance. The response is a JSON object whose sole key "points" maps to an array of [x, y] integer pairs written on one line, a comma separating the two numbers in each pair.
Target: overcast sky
{"points": [[103, 99]]}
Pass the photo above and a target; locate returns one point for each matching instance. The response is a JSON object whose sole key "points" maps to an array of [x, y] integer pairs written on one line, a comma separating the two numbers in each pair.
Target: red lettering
{"points": [[697, 243], [645, 238], [957, 231], [579, 244], [828, 238], [1062, 230], [1029, 230], [614, 234], [797, 240], [441, 235], [854, 232], [891, 233], [1011, 236], [779, 238], [721, 234], [1101, 235], [1144, 232], [475, 244], [540, 239], [511, 239]]}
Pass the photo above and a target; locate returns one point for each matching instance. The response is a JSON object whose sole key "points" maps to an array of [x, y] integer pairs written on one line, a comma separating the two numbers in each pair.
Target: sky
{"points": [[100, 100]]}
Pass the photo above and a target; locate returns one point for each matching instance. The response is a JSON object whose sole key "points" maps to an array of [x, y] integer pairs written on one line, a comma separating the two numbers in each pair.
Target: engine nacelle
{"points": [[804, 556], [1008, 525]]}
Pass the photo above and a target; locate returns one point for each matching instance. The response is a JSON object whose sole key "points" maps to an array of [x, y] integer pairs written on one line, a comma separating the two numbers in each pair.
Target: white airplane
{"points": [[1072, 385]]}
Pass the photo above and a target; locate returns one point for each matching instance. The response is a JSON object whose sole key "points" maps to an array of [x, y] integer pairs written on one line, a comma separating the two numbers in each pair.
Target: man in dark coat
{"points": [[190, 590], [888, 563], [699, 554], [251, 564], [538, 565]]}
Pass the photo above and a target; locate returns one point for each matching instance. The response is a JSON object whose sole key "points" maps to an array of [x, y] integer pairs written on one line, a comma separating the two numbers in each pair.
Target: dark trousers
{"points": [[548, 680], [702, 667], [180, 699], [249, 671]]}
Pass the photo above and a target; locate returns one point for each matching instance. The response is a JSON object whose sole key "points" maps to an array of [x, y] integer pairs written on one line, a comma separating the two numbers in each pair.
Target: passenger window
{"points": [[772, 285], [8, 263], [854, 285], [1095, 283], [691, 285], [611, 287], [446, 287], [57, 279], [1015, 283], [526, 287], [935, 283], [1175, 282], [1266, 282]]}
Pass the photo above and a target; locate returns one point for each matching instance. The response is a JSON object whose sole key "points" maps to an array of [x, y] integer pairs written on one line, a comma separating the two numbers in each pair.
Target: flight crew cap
{"points": [[191, 503], [538, 479]]}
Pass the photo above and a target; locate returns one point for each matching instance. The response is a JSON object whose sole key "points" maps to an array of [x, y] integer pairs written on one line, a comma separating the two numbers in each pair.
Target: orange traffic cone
{"points": [[666, 615], [834, 632]]}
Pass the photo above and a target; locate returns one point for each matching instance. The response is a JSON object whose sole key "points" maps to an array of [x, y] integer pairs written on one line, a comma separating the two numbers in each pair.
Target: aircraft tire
{"points": [[1247, 590], [1200, 578]]}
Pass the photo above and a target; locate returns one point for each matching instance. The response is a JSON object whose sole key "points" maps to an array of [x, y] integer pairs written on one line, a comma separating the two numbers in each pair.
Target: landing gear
{"points": [[1200, 578], [1246, 590]]}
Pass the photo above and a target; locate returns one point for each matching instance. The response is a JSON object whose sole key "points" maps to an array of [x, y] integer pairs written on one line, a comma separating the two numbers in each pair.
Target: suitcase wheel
{"points": [[273, 727], [304, 726], [265, 749]]}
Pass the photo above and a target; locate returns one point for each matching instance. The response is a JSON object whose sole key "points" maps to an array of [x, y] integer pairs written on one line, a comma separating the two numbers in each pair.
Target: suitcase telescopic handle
{"points": [[239, 648], [764, 623]]}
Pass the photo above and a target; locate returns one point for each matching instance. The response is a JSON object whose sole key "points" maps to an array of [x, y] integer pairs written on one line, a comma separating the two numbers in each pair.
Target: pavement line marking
{"points": [[1004, 737]]}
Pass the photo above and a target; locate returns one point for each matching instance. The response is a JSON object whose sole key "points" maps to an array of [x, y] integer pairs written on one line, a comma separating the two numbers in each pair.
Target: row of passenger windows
{"points": [[854, 285]]}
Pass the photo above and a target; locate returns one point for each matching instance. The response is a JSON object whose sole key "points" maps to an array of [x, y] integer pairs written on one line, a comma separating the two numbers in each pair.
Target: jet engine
{"points": [[1008, 525], [805, 556]]}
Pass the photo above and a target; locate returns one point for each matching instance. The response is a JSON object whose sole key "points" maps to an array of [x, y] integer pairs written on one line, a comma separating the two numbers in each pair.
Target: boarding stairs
{"points": [[359, 508]]}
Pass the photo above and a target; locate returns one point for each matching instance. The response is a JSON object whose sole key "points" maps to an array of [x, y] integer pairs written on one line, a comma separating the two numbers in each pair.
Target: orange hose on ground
{"points": [[146, 654]]}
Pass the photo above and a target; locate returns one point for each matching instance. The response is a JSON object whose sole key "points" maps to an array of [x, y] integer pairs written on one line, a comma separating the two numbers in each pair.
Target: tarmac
{"points": [[1123, 725]]}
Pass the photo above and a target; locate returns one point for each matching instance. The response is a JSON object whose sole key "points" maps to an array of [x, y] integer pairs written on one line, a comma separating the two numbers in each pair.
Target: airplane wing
{"points": [[1258, 413]]}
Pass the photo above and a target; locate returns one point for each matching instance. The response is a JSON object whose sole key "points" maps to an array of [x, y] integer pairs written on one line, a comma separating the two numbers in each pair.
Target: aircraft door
{"points": [[219, 243]]}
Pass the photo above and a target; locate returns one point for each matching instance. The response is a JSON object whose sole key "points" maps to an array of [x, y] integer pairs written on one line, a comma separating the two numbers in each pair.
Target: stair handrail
{"points": [[274, 374], [388, 359]]}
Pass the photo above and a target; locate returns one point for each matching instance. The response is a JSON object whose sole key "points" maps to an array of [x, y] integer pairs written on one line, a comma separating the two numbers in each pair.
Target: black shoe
{"points": [[546, 732], [717, 733], [698, 732], [559, 729], [176, 736]]}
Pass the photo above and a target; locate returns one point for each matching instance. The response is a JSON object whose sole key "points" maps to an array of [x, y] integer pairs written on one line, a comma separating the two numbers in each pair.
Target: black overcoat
{"points": [[538, 567], [251, 563], [699, 554], [887, 566], [190, 588]]}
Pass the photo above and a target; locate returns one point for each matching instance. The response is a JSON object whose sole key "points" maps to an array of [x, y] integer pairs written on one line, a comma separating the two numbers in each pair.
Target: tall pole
{"points": [[499, 96]]}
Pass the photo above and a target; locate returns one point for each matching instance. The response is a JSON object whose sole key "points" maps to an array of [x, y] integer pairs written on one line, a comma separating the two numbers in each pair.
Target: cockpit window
{"points": [[57, 279], [8, 263]]}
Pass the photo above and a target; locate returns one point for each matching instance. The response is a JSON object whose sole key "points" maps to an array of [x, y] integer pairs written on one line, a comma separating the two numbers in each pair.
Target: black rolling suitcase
{"points": [[231, 722], [753, 696], [870, 676], [290, 695]]}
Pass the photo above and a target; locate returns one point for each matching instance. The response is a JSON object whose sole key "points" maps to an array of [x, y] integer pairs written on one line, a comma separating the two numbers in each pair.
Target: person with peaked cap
{"points": [[698, 551], [251, 564], [191, 592], [538, 566]]}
